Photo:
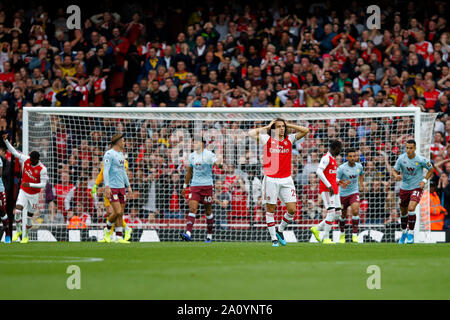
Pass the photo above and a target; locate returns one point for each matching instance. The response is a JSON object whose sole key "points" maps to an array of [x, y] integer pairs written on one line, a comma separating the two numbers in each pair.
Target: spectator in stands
{"points": [[50, 204], [222, 205], [310, 167], [177, 205], [443, 192], [69, 97], [312, 208], [377, 202], [151, 63], [150, 202], [78, 201], [62, 189], [431, 95], [437, 212]]}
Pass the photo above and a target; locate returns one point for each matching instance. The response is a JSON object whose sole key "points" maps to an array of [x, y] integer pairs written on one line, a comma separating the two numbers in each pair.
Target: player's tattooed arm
{"points": [[397, 175], [343, 183], [362, 187], [427, 177], [187, 181]]}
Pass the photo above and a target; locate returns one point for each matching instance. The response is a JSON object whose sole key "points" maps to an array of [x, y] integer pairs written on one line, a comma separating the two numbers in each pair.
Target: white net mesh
{"points": [[72, 143]]}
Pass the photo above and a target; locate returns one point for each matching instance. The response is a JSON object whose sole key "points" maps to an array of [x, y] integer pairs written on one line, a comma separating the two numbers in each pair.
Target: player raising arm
{"points": [[277, 182], [116, 180], [328, 189], [34, 179], [351, 178], [409, 170], [199, 176], [3, 215]]}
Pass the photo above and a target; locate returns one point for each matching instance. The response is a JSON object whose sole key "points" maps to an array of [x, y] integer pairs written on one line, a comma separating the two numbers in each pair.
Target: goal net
{"points": [[72, 142]]}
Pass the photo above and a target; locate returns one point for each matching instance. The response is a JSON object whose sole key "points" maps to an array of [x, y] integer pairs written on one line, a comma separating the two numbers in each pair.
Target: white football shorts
{"points": [[28, 201], [331, 201], [278, 188]]}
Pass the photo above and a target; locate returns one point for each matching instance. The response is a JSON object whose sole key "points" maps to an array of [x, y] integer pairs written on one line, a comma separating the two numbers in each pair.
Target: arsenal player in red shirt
{"points": [[328, 189], [277, 182], [34, 179]]}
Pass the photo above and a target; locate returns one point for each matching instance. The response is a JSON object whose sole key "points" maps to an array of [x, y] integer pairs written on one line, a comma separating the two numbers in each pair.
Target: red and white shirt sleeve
{"points": [[320, 170], [263, 138], [44, 179], [19, 155]]}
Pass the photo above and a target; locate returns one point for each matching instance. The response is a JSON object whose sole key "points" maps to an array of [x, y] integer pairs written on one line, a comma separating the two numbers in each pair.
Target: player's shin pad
{"points": [[287, 219]]}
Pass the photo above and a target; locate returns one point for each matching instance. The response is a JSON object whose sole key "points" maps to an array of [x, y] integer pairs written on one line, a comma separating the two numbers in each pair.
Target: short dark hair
{"points": [[115, 138], [350, 150], [200, 138], [411, 141], [273, 127], [35, 155], [335, 144]]}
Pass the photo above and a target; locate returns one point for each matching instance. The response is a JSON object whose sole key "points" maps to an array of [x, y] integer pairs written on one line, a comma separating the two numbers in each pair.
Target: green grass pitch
{"points": [[195, 270]]}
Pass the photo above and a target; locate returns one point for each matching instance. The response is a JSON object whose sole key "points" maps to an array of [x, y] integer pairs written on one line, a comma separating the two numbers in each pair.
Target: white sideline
{"points": [[31, 259]]}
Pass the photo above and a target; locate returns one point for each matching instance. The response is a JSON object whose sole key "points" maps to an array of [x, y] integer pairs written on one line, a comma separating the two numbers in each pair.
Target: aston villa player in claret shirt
{"points": [[409, 170], [350, 176], [277, 182], [199, 177]]}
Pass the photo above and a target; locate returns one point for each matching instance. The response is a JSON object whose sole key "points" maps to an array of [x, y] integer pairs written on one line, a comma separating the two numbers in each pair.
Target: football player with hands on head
{"points": [[277, 163]]}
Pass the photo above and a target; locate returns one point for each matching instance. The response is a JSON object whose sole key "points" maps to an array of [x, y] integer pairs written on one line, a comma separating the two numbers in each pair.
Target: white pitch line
{"points": [[31, 259]]}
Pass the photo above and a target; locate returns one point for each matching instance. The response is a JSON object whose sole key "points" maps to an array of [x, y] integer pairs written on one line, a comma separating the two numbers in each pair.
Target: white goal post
{"points": [[161, 138]]}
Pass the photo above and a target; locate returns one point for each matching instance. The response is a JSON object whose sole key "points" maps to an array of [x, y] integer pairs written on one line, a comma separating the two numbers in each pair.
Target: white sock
{"points": [[327, 229], [188, 233], [321, 225], [287, 216], [18, 220], [209, 236], [270, 220], [328, 223], [29, 224], [119, 230]]}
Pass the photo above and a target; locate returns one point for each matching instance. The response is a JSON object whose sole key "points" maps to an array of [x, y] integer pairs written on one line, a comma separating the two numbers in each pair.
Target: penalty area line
{"points": [[48, 259]]}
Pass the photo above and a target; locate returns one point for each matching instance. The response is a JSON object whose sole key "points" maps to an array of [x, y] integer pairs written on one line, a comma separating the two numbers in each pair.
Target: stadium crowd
{"points": [[260, 54]]}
